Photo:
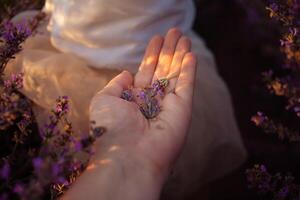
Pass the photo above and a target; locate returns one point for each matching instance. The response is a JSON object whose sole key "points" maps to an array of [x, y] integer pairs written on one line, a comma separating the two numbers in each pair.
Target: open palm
{"points": [[153, 143]]}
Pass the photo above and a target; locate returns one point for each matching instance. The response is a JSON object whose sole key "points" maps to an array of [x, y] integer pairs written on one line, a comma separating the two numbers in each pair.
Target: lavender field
{"points": [[257, 49]]}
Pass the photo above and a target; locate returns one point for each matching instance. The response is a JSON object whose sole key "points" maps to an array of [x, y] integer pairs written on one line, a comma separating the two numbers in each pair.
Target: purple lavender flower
{"points": [[127, 95], [150, 109], [297, 110], [61, 105], [37, 163], [259, 118], [274, 7], [15, 33], [78, 146], [258, 178], [160, 85], [15, 82], [62, 181], [148, 104], [18, 189], [4, 196], [5, 171], [56, 170], [283, 193]]}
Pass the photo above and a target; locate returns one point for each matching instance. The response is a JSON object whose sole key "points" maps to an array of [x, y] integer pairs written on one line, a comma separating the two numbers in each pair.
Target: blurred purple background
{"points": [[245, 43]]}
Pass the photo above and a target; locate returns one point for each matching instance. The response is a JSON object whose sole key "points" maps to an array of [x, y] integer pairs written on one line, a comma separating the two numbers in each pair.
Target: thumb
{"points": [[118, 84]]}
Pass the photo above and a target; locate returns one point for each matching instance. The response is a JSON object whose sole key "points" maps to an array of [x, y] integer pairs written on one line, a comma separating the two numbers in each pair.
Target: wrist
{"points": [[133, 177], [112, 177]]}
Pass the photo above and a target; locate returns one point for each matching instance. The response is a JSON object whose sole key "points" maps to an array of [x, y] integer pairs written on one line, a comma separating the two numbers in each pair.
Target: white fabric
{"points": [[114, 33]]}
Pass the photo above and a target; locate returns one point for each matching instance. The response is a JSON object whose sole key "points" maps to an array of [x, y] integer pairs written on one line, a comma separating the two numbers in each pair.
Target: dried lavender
{"points": [[127, 95], [147, 98], [149, 105], [160, 85]]}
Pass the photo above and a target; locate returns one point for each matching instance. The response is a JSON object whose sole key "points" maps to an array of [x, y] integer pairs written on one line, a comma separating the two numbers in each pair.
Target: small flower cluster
{"points": [[275, 187], [15, 34], [288, 87], [14, 83], [15, 109], [286, 12], [147, 98], [270, 127], [58, 114]]}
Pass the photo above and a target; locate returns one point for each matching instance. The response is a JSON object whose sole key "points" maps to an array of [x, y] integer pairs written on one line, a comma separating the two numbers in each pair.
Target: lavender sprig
{"points": [[278, 187], [275, 187], [287, 13], [12, 38], [270, 127]]}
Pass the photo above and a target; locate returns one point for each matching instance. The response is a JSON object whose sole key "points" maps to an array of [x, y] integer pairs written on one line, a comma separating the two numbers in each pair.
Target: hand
{"points": [[144, 150], [158, 141]]}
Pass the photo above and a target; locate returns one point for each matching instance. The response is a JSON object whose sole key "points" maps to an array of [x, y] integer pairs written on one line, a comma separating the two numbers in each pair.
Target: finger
{"points": [[117, 85], [183, 47], [167, 52], [185, 84], [147, 68]]}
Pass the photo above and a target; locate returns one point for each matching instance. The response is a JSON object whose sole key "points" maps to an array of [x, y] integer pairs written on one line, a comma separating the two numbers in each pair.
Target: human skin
{"points": [[134, 157]]}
